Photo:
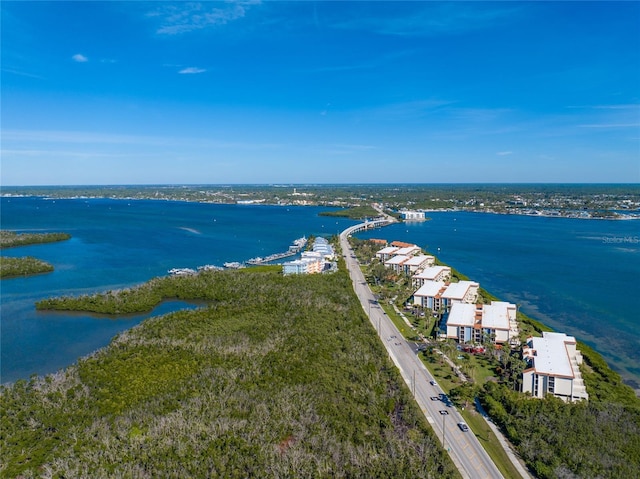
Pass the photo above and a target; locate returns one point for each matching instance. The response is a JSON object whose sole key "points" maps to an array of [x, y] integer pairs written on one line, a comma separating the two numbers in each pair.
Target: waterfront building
{"points": [[308, 264], [418, 262], [385, 253], [410, 250], [499, 322], [480, 322], [553, 367], [311, 262], [431, 273], [378, 241], [460, 292], [296, 266], [401, 244], [397, 263], [429, 295], [463, 323], [322, 246], [410, 215]]}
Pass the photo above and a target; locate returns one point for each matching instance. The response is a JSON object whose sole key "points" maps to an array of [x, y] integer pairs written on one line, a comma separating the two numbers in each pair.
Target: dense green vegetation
{"points": [[599, 438], [10, 239], [356, 213], [277, 377], [591, 439], [10, 267]]}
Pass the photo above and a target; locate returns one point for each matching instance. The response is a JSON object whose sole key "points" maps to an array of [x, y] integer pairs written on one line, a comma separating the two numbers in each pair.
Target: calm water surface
{"points": [[119, 243]]}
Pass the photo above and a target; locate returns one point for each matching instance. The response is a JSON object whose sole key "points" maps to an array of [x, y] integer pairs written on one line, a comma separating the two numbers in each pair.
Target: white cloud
{"points": [[80, 58], [504, 153], [187, 17], [191, 70]]}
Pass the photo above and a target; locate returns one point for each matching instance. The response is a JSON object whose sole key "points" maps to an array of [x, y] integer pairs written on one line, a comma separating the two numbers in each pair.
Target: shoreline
{"points": [[539, 326], [556, 213]]}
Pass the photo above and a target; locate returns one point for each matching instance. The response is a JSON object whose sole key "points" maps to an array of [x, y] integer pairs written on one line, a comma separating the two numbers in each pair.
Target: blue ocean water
{"points": [[120, 243], [577, 276]]}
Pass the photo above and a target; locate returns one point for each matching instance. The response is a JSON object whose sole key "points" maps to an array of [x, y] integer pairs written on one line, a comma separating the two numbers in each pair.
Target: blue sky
{"points": [[319, 92]]}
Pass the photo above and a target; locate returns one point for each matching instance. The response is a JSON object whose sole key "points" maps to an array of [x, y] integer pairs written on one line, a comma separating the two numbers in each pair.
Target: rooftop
{"points": [[398, 259], [496, 315], [408, 249], [462, 314], [418, 260], [459, 290], [430, 288], [431, 272], [550, 354]]}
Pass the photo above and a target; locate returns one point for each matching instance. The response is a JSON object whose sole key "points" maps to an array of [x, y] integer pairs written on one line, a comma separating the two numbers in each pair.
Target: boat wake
{"points": [[190, 230]]}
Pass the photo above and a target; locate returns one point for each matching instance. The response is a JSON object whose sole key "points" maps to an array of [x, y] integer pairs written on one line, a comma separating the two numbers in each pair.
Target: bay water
{"points": [[577, 276], [117, 244]]}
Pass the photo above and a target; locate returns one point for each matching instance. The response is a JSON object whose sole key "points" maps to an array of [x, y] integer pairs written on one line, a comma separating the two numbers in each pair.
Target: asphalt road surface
{"points": [[464, 449]]}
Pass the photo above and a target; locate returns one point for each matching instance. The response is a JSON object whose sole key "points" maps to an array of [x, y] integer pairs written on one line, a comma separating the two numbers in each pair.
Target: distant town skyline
{"points": [[251, 92]]}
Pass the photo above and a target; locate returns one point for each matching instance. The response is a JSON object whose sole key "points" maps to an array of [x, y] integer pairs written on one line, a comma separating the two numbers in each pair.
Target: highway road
{"points": [[464, 449]]}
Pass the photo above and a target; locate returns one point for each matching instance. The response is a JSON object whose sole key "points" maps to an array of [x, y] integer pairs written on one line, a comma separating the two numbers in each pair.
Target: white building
{"points": [[431, 273], [410, 250], [397, 263], [410, 215], [463, 323], [417, 262], [461, 292], [553, 367], [297, 266], [474, 323], [385, 253], [429, 295], [322, 246], [499, 321]]}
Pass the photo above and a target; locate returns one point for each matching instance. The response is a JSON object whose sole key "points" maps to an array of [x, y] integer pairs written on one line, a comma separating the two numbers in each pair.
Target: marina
{"points": [[294, 248]]}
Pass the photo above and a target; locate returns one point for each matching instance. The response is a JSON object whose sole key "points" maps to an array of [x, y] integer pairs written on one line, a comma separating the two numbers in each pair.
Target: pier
{"points": [[293, 250]]}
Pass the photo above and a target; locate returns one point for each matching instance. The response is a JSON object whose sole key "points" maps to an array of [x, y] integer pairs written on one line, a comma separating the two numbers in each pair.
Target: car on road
{"points": [[435, 398], [444, 412], [433, 383], [463, 427]]}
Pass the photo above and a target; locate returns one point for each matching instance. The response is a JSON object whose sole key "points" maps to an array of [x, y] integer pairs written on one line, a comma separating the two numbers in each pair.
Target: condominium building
{"points": [[410, 215], [385, 253], [429, 295], [311, 262], [418, 262], [460, 292], [397, 262], [409, 250], [482, 322], [553, 367], [431, 273], [297, 266]]}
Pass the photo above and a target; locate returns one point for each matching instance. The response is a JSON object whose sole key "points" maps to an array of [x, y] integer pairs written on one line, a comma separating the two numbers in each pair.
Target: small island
{"points": [[26, 266], [10, 239]]}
